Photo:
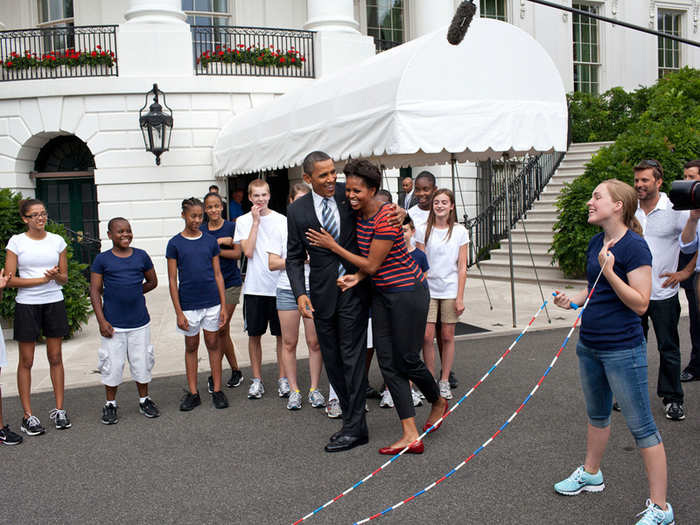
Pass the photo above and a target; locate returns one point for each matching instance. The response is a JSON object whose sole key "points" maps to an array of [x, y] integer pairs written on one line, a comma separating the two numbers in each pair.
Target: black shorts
{"points": [[34, 320], [258, 311]]}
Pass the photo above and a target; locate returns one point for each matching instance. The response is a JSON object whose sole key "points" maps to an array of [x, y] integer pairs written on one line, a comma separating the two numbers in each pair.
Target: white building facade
{"points": [[76, 143]]}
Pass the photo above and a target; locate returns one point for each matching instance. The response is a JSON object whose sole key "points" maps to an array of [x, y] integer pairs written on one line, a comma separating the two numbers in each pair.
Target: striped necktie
{"points": [[331, 226]]}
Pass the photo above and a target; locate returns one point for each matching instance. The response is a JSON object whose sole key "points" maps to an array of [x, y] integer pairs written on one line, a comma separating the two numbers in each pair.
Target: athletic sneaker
{"points": [[210, 384], [149, 409], [32, 426], [655, 515], [189, 401], [236, 379], [675, 411], [316, 398], [386, 401], [283, 389], [109, 414], [60, 418], [294, 402], [417, 401], [218, 399], [256, 389], [579, 481], [452, 378], [445, 389], [7, 437], [333, 410]]}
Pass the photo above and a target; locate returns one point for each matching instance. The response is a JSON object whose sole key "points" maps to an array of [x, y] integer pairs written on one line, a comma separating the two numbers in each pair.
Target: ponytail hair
{"points": [[192, 201], [25, 204], [624, 193], [451, 219]]}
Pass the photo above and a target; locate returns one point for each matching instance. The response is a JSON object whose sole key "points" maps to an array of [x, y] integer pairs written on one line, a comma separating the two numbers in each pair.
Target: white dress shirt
{"points": [[318, 207], [407, 199]]}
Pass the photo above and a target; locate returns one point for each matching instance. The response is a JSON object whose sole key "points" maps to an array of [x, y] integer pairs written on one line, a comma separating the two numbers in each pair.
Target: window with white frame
{"points": [[493, 9], [207, 13], [385, 23], [56, 14], [669, 22], [586, 50]]}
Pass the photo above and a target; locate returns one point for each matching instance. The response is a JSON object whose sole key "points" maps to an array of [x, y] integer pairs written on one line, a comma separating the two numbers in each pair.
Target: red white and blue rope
{"points": [[502, 427], [420, 438]]}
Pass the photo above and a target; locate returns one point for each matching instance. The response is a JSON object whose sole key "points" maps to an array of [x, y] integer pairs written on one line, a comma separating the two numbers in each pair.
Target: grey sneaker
{"points": [[109, 414], [256, 389], [316, 398], [294, 401], [386, 401], [445, 389], [333, 410], [60, 418], [283, 389], [417, 401], [675, 411]]}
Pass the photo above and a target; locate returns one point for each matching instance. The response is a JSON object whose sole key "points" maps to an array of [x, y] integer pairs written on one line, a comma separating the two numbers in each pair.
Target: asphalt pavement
{"points": [[257, 463]]}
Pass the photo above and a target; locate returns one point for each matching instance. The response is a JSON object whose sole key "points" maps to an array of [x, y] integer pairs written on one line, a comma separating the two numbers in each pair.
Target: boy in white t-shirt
{"points": [[7, 437], [254, 232]]}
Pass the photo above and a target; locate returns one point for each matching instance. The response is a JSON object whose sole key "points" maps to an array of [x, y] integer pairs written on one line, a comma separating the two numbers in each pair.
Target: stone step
{"points": [[551, 215], [533, 235], [545, 206], [522, 257], [577, 157], [521, 270], [564, 178], [537, 246], [572, 169], [548, 285]]}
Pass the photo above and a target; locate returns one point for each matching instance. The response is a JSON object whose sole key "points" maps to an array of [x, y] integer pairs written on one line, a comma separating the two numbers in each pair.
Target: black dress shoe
{"points": [[346, 442], [687, 377], [336, 435]]}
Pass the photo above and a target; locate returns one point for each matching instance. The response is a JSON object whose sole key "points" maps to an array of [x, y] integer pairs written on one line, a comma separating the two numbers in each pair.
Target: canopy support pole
{"points": [[510, 239]]}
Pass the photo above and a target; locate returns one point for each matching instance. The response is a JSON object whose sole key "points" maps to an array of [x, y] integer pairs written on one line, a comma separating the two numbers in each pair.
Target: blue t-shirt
{"points": [[235, 210], [607, 323], [196, 284], [421, 258], [229, 268], [123, 303]]}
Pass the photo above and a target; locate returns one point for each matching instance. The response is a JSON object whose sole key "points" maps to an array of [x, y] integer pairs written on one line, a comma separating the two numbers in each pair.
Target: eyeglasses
{"points": [[43, 215]]}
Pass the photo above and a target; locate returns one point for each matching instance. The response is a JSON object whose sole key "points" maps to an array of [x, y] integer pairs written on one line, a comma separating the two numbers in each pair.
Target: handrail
{"points": [[523, 189]]}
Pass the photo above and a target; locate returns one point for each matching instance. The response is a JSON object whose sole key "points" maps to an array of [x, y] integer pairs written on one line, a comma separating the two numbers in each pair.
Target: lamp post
{"points": [[156, 126]]}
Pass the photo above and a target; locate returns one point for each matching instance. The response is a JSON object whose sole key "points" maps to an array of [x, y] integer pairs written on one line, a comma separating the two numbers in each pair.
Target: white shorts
{"points": [[133, 346], [202, 319]]}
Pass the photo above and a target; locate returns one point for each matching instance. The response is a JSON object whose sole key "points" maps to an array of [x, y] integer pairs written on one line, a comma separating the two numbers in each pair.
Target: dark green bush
{"points": [[75, 291], [668, 130]]}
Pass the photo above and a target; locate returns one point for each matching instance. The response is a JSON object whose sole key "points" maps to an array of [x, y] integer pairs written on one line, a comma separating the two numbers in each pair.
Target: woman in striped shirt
{"points": [[399, 300]]}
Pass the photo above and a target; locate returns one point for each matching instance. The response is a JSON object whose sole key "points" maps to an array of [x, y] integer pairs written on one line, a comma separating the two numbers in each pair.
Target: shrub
{"points": [[668, 131], [75, 291]]}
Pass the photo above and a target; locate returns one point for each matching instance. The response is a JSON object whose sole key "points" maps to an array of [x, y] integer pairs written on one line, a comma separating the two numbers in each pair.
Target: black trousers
{"points": [[665, 315], [398, 327], [343, 341], [690, 294]]}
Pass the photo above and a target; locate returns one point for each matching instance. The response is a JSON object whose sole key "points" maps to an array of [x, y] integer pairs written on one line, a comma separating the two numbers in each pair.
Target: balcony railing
{"points": [[253, 51], [58, 52]]}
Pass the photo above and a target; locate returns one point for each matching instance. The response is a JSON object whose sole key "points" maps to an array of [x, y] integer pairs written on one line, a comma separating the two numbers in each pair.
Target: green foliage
{"points": [[75, 291], [596, 118], [666, 131]]}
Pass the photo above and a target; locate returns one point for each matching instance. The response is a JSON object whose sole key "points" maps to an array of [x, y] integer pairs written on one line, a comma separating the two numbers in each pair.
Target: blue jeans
{"points": [[622, 372]]}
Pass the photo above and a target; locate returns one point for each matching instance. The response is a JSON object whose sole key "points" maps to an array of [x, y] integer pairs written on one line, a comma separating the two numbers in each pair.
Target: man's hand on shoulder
{"points": [[397, 215]]}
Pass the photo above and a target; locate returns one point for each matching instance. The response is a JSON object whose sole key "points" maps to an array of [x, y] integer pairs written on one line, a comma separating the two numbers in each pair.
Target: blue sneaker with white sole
{"points": [[580, 481], [655, 515]]}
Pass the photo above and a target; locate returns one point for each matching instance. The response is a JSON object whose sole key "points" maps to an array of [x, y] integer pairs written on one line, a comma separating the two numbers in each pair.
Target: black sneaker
{"points": [[219, 400], [32, 426], [616, 407], [236, 379], [109, 414], [7, 437], [687, 376], [189, 401], [149, 409], [452, 378], [372, 393], [675, 411], [210, 384], [60, 418]]}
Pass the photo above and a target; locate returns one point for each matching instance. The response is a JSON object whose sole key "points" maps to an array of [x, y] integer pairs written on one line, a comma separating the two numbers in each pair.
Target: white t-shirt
{"points": [[33, 259], [278, 246], [259, 280], [419, 218], [443, 255]]}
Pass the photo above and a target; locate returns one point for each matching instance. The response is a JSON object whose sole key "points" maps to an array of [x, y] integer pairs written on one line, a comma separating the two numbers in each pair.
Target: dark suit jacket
{"points": [[402, 197], [324, 291]]}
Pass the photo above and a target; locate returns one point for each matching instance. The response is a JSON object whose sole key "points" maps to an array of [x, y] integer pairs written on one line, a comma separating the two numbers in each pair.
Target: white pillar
{"points": [[155, 41], [432, 15], [331, 15], [338, 42]]}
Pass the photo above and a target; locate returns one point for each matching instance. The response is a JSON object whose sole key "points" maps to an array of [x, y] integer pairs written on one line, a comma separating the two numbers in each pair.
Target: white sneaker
{"points": [[316, 398], [445, 390], [294, 402], [256, 389], [283, 389], [386, 401], [417, 401], [333, 410]]}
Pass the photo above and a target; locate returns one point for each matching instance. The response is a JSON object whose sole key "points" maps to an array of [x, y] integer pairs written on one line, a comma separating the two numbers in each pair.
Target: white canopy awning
{"points": [[421, 103]]}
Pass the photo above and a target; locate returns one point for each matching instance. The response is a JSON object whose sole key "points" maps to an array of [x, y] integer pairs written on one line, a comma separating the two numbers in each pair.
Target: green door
{"points": [[73, 203]]}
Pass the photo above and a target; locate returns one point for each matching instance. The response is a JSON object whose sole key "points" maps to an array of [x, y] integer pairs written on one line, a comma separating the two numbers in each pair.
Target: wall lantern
{"points": [[156, 126]]}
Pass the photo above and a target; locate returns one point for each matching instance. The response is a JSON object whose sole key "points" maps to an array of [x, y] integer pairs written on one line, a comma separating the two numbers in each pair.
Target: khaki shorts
{"points": [[446, 308], [233, 295]]}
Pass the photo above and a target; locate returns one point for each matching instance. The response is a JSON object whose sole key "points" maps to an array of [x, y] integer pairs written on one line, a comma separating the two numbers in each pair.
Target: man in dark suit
{"points": [[408, 198], [340, 318]]}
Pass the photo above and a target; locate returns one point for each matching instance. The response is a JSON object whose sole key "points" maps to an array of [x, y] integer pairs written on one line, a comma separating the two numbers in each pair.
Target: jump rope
{"points": [[489, 440]]}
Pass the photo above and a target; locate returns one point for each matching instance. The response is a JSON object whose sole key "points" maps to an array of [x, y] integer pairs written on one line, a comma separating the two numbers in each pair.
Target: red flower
{"points": [[241, 45], [220, 53], [98, 47], [302, 59], [282, 60], [293, 60], [259, 59], [9, 64], [102, 53], [94, 53]]}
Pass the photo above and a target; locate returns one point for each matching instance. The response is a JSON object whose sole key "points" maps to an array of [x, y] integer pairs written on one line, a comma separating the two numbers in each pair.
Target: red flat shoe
{"points": [[428, 424], [414, 448]]}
